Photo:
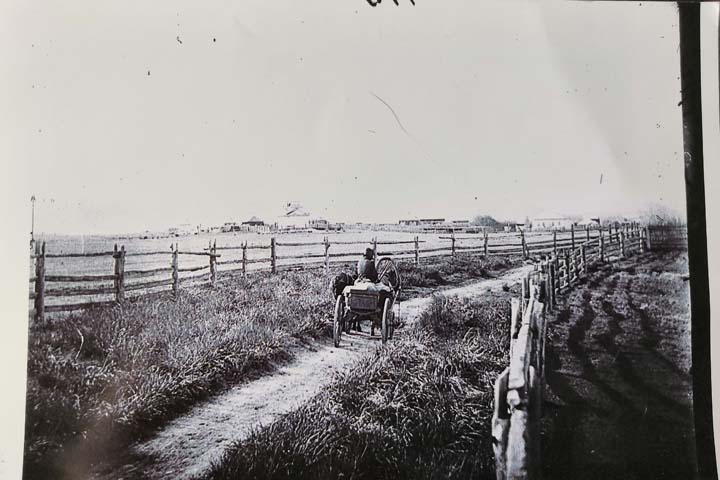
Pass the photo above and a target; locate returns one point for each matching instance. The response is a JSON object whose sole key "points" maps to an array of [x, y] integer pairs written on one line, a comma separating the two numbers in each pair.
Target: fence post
{"points": [[175, 273], [602, 246], [584, 260], [572, 235], [327, 254], [452, 240], [374, 242], [40, 282], [555, 242], [587, 233], [119, 270], [485, 243], [244, 259], [622, 244], [551, 302], [648, 244], [516, 308], [568, 277], [417, 250], [273, 256], [642, 241], [524, 247], [501, 425], [213, 264]]}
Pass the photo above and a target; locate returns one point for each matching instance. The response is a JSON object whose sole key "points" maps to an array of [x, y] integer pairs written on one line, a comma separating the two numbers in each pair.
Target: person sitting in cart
{"points": [[366, 266]]}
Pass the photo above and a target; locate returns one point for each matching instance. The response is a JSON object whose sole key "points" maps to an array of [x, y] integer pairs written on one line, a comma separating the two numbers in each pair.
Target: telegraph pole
{"points": [[32, 225], [689, 16]]}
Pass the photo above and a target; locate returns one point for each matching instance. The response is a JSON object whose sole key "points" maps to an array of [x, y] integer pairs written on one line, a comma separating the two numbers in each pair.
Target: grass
{"points": [[419, 408], [100, 378], [451, 270]]}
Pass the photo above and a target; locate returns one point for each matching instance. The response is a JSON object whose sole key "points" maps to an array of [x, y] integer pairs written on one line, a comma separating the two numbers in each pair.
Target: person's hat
{"points": [[369, 253]]}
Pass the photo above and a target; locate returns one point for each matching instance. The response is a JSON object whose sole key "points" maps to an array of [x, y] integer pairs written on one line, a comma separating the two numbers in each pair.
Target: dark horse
{"points": [[337, 286]]}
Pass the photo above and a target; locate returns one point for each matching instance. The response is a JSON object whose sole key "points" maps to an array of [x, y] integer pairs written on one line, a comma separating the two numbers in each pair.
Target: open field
{"points": [[149, 261], [102, 377], [619, 360]]}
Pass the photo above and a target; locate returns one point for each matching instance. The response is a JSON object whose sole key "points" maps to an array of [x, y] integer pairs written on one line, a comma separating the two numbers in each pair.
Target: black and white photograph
{"points": [[359, 239]]}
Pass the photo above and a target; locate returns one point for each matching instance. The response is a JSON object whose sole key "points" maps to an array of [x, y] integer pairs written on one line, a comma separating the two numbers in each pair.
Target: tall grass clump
{"points": [[101, 376], [439, 271], [418, 408]]}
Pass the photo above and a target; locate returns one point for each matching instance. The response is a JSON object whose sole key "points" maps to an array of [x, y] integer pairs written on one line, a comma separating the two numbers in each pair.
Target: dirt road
{"points": [[186, 447], [619, 368]]}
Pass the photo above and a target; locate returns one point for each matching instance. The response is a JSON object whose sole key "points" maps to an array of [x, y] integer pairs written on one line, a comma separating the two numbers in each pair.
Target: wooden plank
{"points": [[190, 269], [40, 282], [399, 252], [515, 313], [299, 244], [439, 249], [273, 255], [213, 264], [257, 260], [521, 358], [353, 242], [141, 254], [500, 424], [158, 283], [79, 278], [147, 273], [75, 255], [400, 242], [298, 257], [175, 274], [417, 250], [190, 278], [71, 292], [79, 306]]}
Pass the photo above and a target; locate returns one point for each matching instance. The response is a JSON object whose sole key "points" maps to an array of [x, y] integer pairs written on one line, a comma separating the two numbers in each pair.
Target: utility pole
{"points": [[689, 16], [32, 225]]}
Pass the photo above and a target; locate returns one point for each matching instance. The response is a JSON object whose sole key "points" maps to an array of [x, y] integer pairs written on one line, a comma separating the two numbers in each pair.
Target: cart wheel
{"points": [[386, 321], [392, 323], [339, 320]]}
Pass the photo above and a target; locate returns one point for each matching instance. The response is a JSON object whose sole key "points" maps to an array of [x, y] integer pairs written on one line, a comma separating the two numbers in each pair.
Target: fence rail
{"points": [[607, 242]]}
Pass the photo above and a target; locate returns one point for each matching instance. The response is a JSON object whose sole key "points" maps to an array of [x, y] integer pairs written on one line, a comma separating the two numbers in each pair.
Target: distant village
{"points": [[296, 220]]}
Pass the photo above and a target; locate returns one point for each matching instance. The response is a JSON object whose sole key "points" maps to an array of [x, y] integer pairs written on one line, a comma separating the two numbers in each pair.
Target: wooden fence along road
{"points": [[121, 283], [519, 390]]}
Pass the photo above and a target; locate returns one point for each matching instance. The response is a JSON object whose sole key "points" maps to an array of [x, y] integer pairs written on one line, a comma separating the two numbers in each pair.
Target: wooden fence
{"points": [[273, 257], [519, 389], [667, 237]]}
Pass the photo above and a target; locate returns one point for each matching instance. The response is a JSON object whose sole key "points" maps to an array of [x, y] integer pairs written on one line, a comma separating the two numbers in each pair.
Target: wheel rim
{"points": [[337, 323], [386, 321], [389, 274]]}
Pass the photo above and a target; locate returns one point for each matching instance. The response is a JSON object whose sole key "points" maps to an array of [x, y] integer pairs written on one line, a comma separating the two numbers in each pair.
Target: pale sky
{"points": [[505, 108]]}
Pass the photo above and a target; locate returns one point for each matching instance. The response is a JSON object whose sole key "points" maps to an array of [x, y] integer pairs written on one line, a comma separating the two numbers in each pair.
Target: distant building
{"points": [[513, 227], [551, 222], [422, 222], [230, 227], [181, 230], [253, 222]]}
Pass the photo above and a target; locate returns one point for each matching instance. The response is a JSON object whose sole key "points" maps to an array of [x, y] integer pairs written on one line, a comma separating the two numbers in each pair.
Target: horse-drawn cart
{"points": [[365, 300]]}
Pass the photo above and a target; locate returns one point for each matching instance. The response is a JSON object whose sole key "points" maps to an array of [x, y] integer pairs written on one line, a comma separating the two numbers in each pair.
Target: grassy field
{"points": [[100, 378], [420, 408]]}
